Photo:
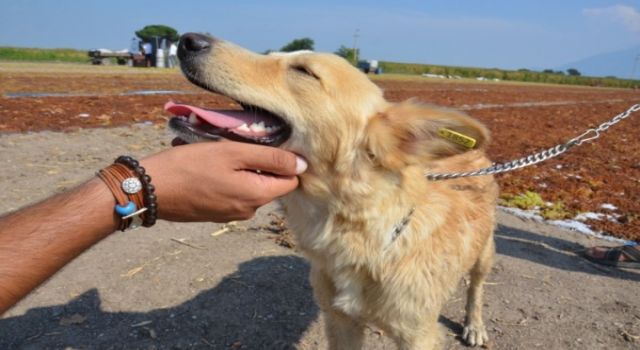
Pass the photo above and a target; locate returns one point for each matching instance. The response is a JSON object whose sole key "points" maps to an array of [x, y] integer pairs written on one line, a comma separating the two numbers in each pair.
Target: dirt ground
{"points": [[184, 286]]}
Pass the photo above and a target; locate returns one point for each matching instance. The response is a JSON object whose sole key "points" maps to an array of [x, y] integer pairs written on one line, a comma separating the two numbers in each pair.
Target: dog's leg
{"points": [[428, 338], [343, 332], [474, 332]]}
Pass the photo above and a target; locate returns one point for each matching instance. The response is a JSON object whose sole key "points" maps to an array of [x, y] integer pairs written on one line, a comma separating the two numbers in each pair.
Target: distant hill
{"points": [[616, 63]]}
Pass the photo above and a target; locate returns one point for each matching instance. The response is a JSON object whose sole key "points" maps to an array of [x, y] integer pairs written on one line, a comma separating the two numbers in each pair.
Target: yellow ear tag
{"points": [[456, 137]]}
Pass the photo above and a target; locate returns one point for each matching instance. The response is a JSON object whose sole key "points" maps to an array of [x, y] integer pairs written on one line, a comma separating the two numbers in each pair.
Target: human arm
{"points": [[200, 182]]}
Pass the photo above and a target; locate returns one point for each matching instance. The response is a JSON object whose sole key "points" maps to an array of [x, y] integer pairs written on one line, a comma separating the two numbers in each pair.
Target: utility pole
{"points": [[356, 35], [635, 64]]}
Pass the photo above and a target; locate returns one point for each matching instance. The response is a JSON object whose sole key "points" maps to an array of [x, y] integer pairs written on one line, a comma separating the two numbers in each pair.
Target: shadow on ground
{"points": [[266, 304], [553, 252]]}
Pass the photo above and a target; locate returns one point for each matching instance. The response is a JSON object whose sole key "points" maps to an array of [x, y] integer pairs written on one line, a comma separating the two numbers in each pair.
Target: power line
{"points": [[356, 35], [635, 64]]}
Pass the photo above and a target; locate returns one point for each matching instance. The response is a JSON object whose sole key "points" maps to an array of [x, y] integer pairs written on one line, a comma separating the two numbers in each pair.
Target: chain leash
{"points": [[538, 157]]}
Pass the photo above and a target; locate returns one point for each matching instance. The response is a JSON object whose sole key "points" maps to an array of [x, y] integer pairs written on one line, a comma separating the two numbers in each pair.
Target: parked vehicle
{"points": [[105, 56], [370, 66]]}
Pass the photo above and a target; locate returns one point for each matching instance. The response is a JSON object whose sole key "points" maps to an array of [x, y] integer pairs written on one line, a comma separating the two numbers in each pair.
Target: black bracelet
{"points": [[149, 197]]}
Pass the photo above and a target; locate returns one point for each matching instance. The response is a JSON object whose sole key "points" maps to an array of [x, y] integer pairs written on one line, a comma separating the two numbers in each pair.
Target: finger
{"points": [[270, 187], [272, 160]]}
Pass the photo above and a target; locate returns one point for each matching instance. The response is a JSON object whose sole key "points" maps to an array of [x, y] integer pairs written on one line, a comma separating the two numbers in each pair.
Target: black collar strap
{"points": [[399, 227]]}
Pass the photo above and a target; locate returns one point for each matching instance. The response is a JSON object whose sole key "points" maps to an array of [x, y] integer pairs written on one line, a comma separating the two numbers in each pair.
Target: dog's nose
{"points": [[193, 44]]}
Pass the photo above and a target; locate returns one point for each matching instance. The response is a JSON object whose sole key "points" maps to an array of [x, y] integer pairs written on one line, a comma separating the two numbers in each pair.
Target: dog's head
{"points": [[316, 105]]}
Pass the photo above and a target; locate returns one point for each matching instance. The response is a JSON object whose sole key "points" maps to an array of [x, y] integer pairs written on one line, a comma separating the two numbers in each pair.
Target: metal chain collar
{"points": [[538, 157]]}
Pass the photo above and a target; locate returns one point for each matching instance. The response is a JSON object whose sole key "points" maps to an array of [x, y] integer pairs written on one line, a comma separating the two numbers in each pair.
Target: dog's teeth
{"points": [[193, 118], [257, 127], [272, 129], [244, 128]]}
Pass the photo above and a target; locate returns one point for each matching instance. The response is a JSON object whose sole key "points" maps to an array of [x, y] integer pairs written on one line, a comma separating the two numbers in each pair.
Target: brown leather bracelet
{"points": [[124, 173], [133, 191], [113, 180], [149, 198]]}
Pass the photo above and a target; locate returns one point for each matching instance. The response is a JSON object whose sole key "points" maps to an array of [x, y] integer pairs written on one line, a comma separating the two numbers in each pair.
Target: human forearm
{"points": [[37, 241], [203, 182]]}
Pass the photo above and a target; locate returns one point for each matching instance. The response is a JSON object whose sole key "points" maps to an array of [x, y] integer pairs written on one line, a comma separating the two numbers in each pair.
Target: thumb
{"points": [[270, 187], [273, 160]]}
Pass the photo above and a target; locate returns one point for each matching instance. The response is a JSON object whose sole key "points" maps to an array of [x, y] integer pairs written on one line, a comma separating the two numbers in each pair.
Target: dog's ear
{"points": [[410, 133]]}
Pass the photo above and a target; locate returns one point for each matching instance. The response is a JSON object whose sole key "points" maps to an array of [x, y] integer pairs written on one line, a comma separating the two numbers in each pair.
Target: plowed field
{"points": [[522, 117]]}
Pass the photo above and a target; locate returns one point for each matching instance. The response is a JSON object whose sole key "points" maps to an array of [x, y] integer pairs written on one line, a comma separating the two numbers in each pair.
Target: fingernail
{"points": [[301, 165]]}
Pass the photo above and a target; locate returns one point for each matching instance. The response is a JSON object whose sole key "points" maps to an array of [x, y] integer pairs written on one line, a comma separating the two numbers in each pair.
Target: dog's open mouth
{"points": [[252, 125]]}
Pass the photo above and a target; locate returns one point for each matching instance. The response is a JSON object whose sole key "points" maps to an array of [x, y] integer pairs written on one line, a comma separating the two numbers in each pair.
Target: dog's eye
{"points": [[306, 71]]}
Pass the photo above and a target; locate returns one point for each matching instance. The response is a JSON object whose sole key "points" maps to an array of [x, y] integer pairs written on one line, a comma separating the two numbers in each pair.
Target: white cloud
{"points": [[629, 16]]}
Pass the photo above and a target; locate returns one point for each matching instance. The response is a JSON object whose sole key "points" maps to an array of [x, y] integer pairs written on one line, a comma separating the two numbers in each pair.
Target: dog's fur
{"points": [[367, 162]]}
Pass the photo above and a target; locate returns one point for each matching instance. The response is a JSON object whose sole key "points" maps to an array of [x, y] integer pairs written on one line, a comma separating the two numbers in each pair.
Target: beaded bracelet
{"points": [[136, 203]]}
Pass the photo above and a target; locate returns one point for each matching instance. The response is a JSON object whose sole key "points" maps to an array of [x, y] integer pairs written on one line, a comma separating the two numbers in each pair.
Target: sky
{"points": [[508, 34]]}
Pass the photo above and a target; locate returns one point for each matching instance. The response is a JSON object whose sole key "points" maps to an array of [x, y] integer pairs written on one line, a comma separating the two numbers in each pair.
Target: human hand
{"points": [[217, 181]]}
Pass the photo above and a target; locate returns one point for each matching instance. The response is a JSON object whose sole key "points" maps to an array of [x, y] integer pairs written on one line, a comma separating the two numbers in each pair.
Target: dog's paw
{"points": [[475, 335]]}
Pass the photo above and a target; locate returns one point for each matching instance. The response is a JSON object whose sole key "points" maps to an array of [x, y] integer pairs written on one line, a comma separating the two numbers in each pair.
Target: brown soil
{"points": [[522, 117]]}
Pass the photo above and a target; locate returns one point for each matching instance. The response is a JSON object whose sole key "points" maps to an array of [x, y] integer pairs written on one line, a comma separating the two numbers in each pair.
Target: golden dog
{"points": [[387, 246]]}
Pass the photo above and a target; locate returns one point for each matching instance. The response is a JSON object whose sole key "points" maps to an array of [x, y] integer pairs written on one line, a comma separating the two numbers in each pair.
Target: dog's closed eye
{"points": [[304, 70]]}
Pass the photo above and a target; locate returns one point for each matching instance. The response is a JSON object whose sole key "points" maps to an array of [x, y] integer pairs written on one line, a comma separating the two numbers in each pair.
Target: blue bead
{"points": [[130, 208]]}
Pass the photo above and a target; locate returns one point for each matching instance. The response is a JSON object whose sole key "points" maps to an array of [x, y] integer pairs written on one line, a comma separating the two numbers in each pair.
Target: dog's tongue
{"points": [[223, 118]]}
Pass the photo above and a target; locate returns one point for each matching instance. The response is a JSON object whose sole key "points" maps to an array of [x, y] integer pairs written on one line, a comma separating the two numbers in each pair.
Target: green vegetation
{"points": [[573, 71], [294, 45], [349, 54], [532, 200], [555, 211], [526, 201], [148, 33], [29, 54], [548, 76], [298, 44]]}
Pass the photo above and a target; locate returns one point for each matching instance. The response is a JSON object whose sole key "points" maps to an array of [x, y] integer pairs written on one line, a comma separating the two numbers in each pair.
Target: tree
{"points": [[298, 44], [348, 53], [573, 72], [548, 71], [149, 33]]}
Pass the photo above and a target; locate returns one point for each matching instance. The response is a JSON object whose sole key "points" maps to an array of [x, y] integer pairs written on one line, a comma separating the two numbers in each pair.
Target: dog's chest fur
{"points": [[346, 243], [352, 243]]}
